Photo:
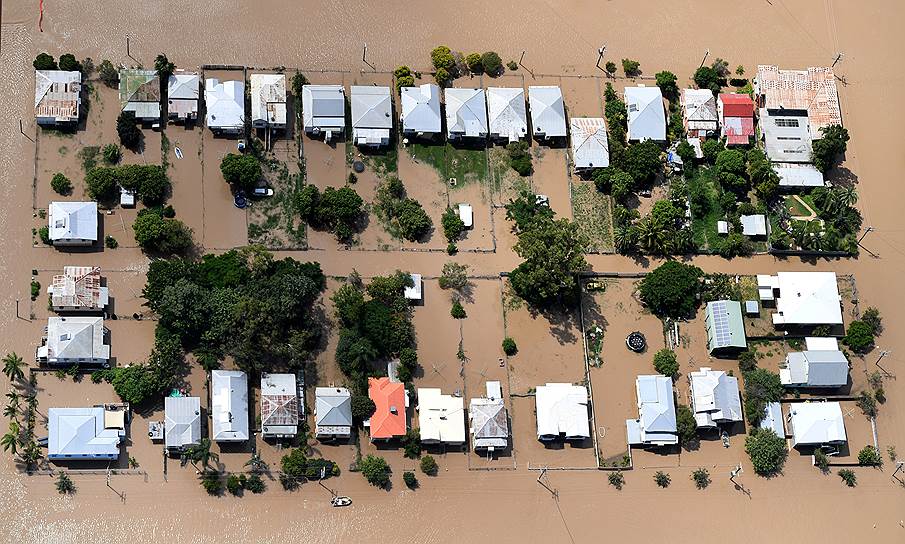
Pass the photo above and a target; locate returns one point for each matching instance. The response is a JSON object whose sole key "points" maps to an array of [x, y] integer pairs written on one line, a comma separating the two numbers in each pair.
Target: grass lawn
{"points": [[593, 213], [273, 221], [796, 209], [464, 164], [704, 227]]}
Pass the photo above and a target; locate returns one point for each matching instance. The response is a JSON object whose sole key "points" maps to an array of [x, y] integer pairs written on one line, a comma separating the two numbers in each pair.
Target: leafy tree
{"points": [[102, 184], [154, 233], [234, 484], [127, 128], [241, 171], [362, 407], [473, 61], [662, 478], [553, 253], [761, 387], [848, 476], [404, 77], [869, 456], [111, 153], [255, 484], [442, 58], [821, 461], [61, 184], [701, 478], [375, 470], [108, 73], [859, 337], [68, 63], [686, 426], [44, 62], [525, 211], [686, 152], [631, 68], [721, 67], [443, 77], [454, 276], [734, 245], [832, 143], [747, 360], [457, 311], [293, 466], [410, 480], [872, 317], [706, 77], [492, 64], [867, 404], [666, 363], [671, 289], [411, 444], [429, 465], [766, 450], [520, 158], [642, 161], [667, 83], [610, 67], [730, 170], [413, 221], [164, 67], [453, 226], [211, 482], [616, 479], [64, 484], [509, 346], [625, 238]]}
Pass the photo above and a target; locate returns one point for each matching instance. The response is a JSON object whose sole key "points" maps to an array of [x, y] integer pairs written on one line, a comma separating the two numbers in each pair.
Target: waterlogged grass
{"points": [[592, 211], [273, 221]]}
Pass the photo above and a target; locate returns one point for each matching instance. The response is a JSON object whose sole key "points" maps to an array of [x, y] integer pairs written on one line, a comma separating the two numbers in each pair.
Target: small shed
{"points": [[415, 292], [754, 225], [466, 214], [725, 329]]}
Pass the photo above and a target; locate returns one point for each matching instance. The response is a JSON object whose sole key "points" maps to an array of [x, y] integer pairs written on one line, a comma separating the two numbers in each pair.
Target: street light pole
{"points": [[600, 52]]}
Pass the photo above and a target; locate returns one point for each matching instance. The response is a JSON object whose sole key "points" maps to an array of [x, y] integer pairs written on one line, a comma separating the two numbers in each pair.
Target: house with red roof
{"points": [[389, 419], [736, 112]]}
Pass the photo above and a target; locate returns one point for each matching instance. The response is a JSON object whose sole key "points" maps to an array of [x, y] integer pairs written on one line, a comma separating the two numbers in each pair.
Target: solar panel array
{"points": [[721, 330]]}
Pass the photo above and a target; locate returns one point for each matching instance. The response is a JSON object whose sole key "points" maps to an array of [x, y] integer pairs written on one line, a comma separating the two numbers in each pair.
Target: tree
{"points": [[553, 253], [256, 464], [255, 484], [292, 466], [164, 67], [211, 482], [454, 276], [111, 153], [654, 236], [443, 77], [453, 226], [362, 407], [429, 465], [671, 289], [375, 470], [44, 62], [509, 346], [832, 143], [108, 73], [859, 337], [12, 367], [706, 77], [241, 171], [127, 128], [872, 317], [610, 67], [520, 158], [763, 177], [766, 450], [662, 478], [821, 461], [411, 444], [686, 427], [102, 184], [473, 62], [869, 456], [64, 484], [410, 480], [68, 63], [761, 387], [747, 360], [526, 210], [404, 77], [701, 478], [666, 363], [867, 404], [730, 170], [686, 152], [201, 453], [413, 221], [442, 58], [622, 185], [667, 83], [457, 311], [631, 68], [234, 484], [848, 476], [734, 245], [616, 479], [492, 64], [642, 161], [154, 233], [721, 67]]}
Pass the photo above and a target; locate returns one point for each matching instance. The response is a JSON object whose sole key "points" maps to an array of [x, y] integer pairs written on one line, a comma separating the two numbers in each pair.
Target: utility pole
{"points": [[866, 231], [600, 52], [883, 353], [703, 60], [554, 493], [838, 58]]}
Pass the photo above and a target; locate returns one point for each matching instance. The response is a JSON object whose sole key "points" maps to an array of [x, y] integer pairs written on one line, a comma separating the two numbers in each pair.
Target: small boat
{"points": [[340, 501], [178, 152]]}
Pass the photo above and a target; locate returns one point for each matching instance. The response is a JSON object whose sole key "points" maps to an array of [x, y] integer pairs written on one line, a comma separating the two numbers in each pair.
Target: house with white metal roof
{"points": [[225, 106], [562, 412], [802, 298], [279, 405], [229, 405], [441, 418], [656, 424], [139, 92], [324, 110], [794, 176], [183, 95], [58, 97], [786, 137], [507, 113], [725, 328], [821, 365], [78, 289], [421, 110], [268, 100], [816, 424], [715, 398], [74, 340], [773, 419], [332, 412], [590, 147], [548, 112], [182, 422], [83, 434], [488, 420], [466, 113], [646, 116], [72, 223], [372, 115], [699, 112], [754, 224]]}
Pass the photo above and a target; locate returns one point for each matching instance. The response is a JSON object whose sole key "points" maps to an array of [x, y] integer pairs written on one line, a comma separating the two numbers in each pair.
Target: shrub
{"points": [[108, 73], [429, 465], [44, 62], [520, 158], [512, 66], [867, 404], [616, 479], [859, 337], [457, 311], [701, 478], [492, 63], [234, 484], [666, 363], [451, 249], [610, 67], [64, 484], [111, 153], [766, 450], [473, 61], [375, 470], [848, 476], [61, 184], [631, 67], [211, 483], [509, 346], [110, 242], [127, 128], [255, 484], [747, 360], [869, 456], [410, 480], [44, 235], [35, 289], [663, 480], [671, 289], [404, 77], [821, 461], [686, 427], [872, 317], [453, 226]]}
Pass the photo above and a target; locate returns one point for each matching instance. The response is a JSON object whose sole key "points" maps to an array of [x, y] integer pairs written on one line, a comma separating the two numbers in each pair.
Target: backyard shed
{"points": [[725, 328]]}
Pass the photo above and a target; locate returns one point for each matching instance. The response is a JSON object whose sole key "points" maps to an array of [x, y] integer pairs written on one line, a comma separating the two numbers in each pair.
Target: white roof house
{"points": [[441, 417], [699, 111], [372, 115], [279, 405], [416, 291], [332, 412], [754, 225], [466, 113], [787, 137], [78, 289], [507, 113], [183, 93], [182, 423], [803, 298], [57, 97], [798, 175], [421, 109], [816, 424], [488, 420], [822, 364], [225, 105], [656, 424], [268, 100], [714, 397], [548, 112], [646, 116], [590, 147], [229, 405], [82, 434], [73, 340], [562, 411], [324, 110], [72, 223]]}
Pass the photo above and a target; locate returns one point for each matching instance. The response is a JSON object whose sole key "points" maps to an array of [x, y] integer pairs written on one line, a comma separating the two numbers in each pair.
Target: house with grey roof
{"points": [[332, 412], [268, 100], [819, 366], [74, 340], [224, 104], [58, 97], [590, 145], [725, 328], [139, 92], [715, 398], [656, 423], [699, 109], [372, 115], [646, 116], [489, 420], [754, 225], [183, 95], [324, 110], [279, 405], [421, 110], [786, 137], [548, 111], [72, 223], [84, 434], [229, 405], [182, 422]]}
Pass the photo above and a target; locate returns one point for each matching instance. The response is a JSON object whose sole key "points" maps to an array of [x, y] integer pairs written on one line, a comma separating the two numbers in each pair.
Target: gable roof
{"points": [[229, 405], [333, 407], [79, 433], [466, 112], [268, 98], [507, 113], [590, 147], [182, 424], [225, 104], [139, 92], [815, 368], [389, 419], [279, 404], [798, 175], [714, 397], [58, 94], [812, 90], [699, 106], [725, 328], [79, 287], [74, 338], [73, 221], [421, 108], [736, 105], [548, 113], [562, 410], [646, 117]]}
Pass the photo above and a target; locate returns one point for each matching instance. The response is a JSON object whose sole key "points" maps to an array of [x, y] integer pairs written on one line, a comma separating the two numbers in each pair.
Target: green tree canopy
{"points": [[553, 253], [492, 63], [44, 62], [672, 289], [832, 143], [127, 128], [375, 470], [766, 450], [642, 161], [241, 171], [667, 83]]}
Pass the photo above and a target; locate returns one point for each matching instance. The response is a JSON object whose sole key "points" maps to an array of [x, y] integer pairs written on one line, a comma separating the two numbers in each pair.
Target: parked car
{"points": [[262, 191]]}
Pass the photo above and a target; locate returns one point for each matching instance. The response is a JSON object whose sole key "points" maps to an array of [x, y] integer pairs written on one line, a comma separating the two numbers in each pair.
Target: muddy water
{"points": [[559, 39]]}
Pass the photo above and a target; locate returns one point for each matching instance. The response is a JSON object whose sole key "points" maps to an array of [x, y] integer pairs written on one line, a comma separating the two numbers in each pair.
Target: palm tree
{"points": [[13, 399], [625, 239], [846, 196], [654, 237], [10, 441], [201, 453], [12, 367], [256, 463], [11, 411]]}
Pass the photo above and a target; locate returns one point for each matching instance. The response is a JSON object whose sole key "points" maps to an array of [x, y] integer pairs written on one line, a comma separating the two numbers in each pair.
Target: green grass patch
{"points": [[89, 156], [592, 212], [704, 228], [466, 165]]}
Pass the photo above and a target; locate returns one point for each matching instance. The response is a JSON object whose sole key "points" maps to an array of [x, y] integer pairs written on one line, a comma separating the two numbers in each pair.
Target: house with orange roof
{"points": [[391, 400]]}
